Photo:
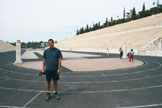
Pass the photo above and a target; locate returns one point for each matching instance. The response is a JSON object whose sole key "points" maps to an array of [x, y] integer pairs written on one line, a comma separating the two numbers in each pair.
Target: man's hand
{"points": [[58, 71], [43, 69]]}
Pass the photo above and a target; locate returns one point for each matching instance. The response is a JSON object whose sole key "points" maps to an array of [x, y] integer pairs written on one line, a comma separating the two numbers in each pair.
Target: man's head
{"points": [[51, 43]]}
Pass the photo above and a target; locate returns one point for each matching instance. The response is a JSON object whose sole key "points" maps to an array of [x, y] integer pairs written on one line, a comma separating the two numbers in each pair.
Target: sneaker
{"points": [[57, 96], [47, 97]]}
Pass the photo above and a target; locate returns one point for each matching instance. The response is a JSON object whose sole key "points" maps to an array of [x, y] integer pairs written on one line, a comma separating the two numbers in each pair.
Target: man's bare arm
{"points": [[43, 67], [59, 66]]}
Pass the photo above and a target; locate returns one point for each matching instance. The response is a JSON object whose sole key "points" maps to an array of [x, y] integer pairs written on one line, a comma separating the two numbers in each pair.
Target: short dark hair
{"points": [[51, 40], [131, 49]]}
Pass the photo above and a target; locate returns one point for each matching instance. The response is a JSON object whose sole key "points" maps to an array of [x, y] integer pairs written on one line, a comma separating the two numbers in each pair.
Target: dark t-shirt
{"points": [[52, 56]]}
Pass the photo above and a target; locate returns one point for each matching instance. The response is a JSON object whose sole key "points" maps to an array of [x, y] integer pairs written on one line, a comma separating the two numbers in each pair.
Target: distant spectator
{"points": [[131, 54], [107, 51], [121, 52], [128, 54]]}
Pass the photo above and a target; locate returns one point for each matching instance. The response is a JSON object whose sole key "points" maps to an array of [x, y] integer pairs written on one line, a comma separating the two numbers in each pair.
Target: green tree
{"points": [[77, 32], [81, 30], [124, 14], [98, 25], [158, 3], [134, 14], [143, 10], [87, 28], [127, 16], [106, 23]]}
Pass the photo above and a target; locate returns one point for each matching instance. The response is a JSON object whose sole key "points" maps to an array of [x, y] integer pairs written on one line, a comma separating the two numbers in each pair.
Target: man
{"points": [[121, 52], [52, 67]]}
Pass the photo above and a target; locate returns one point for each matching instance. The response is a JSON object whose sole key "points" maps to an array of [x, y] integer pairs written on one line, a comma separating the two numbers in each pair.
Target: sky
{"points": [[39, 20]]}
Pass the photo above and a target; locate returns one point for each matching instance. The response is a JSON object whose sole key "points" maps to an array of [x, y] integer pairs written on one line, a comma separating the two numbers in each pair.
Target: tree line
{"points": [[33, 45], [127, 16]]}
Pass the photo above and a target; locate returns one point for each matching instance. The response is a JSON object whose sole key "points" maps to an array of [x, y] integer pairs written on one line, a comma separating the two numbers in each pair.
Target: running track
{"points": [[138, 87]]}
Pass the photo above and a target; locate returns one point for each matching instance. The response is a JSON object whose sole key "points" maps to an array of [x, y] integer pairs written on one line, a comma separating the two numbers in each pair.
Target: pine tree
{"points": [[81, 30], [106, 23], [128, 15], [56, 41], [134, 14], [77, 32], [87, 28], [143, 10], [124, 14], [99, 25], [111, 19], [111, 22], [157, 3]]}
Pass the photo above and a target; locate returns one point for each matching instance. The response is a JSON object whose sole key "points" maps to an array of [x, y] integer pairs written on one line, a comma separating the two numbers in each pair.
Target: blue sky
{"points": [[39, 20]]}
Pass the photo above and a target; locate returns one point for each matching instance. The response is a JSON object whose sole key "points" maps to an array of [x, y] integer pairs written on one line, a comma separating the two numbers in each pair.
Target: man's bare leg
{"points": [[48, 89], [55, 85], [48, 86]]}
